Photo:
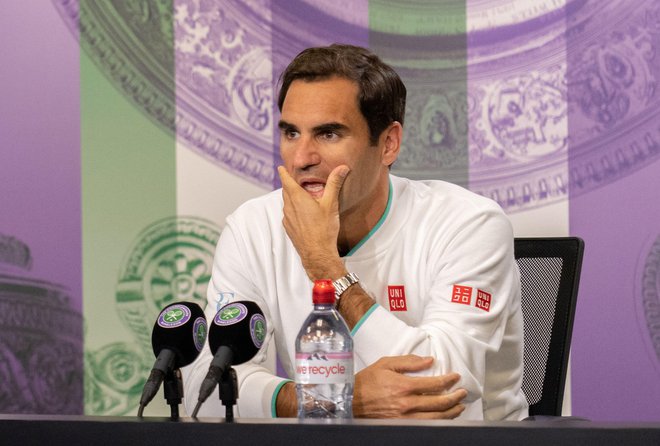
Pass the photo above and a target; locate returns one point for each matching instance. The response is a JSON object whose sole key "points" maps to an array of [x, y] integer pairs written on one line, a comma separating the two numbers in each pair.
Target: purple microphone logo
{"points": [[231, 314], [174, 316], [258, 329]]}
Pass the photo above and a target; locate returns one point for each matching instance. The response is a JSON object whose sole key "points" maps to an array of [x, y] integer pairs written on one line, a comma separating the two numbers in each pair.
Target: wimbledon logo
{"points": [[258, 329], [174, 316], [199, 333], [231, 314]]}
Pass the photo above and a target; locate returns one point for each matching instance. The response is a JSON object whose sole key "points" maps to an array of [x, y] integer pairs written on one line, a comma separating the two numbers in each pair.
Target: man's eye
{"points": [[291, 134], [329, 136]]}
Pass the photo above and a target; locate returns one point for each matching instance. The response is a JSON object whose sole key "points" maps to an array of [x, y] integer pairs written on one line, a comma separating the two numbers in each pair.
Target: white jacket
{"points": [[447, 250]]}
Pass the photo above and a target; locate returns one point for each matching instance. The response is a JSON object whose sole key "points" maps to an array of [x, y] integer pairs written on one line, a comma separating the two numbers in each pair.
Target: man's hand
{"points": [[313, 226], [382, 390]]}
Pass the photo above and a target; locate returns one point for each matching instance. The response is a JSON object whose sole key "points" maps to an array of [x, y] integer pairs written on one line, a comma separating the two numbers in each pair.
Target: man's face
{"points": [[321, 127]]}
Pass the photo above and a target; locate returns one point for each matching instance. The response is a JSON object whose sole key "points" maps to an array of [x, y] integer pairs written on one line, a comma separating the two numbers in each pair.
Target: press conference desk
{"points": [[46, 430]]}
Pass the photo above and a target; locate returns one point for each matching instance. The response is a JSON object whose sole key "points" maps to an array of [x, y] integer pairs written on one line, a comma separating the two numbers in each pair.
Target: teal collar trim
{"points": [[378, 225]]}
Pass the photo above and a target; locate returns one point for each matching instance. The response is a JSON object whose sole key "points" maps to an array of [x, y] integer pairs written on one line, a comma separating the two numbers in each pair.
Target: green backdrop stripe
{"points": [[128, 183], [426, 43]]}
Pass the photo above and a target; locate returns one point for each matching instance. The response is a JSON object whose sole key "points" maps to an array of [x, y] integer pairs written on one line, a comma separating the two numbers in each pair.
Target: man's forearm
{"points": [[286, 404], [354, 302], [353, 305]]}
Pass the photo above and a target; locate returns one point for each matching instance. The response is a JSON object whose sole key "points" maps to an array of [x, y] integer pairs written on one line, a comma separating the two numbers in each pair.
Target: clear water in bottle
{"points": [[324, 360]]}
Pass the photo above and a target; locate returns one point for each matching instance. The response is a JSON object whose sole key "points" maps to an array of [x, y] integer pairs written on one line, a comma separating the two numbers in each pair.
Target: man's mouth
{"points": [[315, 189]]}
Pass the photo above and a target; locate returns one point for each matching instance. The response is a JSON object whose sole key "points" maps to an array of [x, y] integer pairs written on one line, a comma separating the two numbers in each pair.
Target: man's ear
{"points": [[393, 136]]}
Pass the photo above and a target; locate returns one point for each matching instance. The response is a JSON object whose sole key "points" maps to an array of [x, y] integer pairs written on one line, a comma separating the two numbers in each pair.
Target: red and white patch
{"points": [[483, 300], [461, 294], [397, 295]]}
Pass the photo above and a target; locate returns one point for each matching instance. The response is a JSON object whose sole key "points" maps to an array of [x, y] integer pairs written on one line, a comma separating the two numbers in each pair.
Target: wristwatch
{"points": [[343, 283]]}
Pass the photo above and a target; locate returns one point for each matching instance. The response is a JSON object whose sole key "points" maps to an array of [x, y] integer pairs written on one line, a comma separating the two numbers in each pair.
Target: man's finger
{"points": [[449, 414], [288, 183], [439, 403], [406, 363], [431, 384], [334, 184]]}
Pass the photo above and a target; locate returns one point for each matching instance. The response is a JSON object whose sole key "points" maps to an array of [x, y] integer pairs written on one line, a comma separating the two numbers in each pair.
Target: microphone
{"points": [[237, 332], [177, 338]]}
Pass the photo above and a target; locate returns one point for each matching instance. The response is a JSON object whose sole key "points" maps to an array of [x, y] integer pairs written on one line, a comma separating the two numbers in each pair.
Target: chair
{"points": [[549, 277]]}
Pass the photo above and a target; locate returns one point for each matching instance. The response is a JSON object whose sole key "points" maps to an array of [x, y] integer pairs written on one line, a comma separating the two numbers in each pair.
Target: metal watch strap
{"points": [[343, 283]]}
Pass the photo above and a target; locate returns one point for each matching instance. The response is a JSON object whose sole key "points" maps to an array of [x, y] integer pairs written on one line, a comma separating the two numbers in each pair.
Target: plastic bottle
{"points": [[324, 359]]}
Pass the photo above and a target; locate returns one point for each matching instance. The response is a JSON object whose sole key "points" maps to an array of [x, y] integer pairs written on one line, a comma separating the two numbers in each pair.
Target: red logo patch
{"points": [[397, 295], [461, 294], [483, 300]]}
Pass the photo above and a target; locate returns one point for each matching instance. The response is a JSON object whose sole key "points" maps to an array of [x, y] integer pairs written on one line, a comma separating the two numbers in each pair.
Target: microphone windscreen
{"points": [[180, 327], [240, 326]]}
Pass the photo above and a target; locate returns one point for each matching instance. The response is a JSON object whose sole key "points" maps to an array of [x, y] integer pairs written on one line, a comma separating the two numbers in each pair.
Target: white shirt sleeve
{"points": [[258, 384], [478, 257]]}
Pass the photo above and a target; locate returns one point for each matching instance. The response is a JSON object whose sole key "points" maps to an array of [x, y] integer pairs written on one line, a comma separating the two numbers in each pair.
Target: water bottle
{"points": [[324, 359]]}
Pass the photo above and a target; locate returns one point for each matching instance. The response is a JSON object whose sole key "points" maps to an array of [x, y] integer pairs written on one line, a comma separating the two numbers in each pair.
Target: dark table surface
{"points": [[69, 430]]}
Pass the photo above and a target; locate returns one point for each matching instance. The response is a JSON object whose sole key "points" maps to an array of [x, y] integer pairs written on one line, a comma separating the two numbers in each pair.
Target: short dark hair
{"points": [[381, 96]]}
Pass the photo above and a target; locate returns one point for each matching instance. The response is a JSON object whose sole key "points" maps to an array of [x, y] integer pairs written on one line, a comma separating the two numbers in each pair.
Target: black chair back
{"points": [[549, 276]]}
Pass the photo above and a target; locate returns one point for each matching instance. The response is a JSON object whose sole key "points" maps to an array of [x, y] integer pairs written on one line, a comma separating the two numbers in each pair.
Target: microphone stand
{"points": [[228, 390], [173, 389]]}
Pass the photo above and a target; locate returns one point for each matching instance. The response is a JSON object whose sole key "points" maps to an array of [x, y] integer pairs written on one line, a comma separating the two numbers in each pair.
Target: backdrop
{"points": [[130, 129]]}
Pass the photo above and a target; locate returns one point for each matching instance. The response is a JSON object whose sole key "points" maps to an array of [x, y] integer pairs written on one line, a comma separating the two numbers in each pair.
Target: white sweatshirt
{"points": [[439, 265]]}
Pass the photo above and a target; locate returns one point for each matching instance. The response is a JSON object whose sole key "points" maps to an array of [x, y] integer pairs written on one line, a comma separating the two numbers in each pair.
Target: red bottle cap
{"points": [[323, 292]]}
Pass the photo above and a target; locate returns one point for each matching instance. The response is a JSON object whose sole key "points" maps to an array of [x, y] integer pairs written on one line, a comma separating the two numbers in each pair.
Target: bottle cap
{"points": [[323, 292]]}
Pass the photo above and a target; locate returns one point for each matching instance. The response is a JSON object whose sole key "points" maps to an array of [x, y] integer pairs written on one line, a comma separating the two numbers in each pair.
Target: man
{"points": [[431, 289]]}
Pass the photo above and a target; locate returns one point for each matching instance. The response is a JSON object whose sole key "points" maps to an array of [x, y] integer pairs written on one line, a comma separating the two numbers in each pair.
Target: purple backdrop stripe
{"points": [[613, 129], [614, 369], [40, 227], [40, 142]]}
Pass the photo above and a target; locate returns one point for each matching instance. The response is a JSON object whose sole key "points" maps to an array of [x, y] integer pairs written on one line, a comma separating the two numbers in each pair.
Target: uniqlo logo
{"points": [[397, 295], [461, 294], [483, 300]]}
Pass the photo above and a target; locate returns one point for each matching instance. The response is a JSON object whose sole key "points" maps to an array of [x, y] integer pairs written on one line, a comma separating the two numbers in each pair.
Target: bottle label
{"points": [[324, 368]]}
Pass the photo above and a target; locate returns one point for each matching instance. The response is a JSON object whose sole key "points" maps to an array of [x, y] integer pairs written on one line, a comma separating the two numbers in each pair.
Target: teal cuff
{"points": [[363, 318], [273, 401]]}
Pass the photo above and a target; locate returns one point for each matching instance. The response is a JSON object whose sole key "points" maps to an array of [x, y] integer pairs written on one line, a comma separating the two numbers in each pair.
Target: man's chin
{"points": [[316, 195]]}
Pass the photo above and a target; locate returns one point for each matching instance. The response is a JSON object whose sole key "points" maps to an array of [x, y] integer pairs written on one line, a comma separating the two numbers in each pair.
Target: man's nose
{"points": [[306, 153]]}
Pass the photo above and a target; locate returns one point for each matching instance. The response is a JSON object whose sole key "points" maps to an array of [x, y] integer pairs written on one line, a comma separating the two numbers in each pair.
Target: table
{"points": [[45, 430]]}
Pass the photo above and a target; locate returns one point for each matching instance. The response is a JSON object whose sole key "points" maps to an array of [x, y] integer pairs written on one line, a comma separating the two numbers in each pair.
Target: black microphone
{"points": [[177, 338], [236, 334]]}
